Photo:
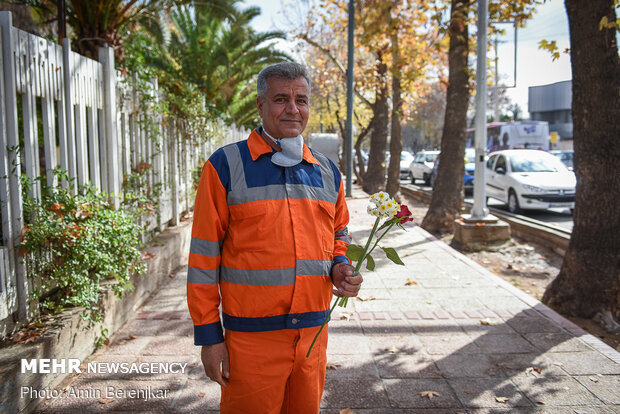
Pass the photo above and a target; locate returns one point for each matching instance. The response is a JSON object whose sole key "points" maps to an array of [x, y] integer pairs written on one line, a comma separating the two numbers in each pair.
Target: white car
{"points": [[421, 167], [405, 160], [529, 179]]}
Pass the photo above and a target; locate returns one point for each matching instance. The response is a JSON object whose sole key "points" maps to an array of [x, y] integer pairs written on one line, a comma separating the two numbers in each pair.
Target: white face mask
{"points": [[292, 150]]}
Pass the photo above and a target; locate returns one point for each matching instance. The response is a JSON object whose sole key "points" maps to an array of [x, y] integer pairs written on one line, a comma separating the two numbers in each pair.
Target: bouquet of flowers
{"points": [[392, 214]]}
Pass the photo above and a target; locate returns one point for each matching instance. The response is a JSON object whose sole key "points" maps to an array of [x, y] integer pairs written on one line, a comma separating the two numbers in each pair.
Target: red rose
{"points": [[404, 214]]}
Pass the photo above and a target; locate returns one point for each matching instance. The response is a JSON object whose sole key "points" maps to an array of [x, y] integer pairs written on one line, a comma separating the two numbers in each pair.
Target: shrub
{"points": [[72, 243]]}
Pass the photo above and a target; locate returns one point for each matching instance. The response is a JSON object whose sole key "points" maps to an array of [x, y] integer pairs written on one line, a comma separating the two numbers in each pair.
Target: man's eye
{"points": [[302, 102]]}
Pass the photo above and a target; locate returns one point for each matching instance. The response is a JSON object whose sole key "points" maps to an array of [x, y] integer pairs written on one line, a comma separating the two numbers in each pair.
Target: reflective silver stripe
{"points": [[238, 184], [205, 247], [268, 277], [327, 174], [202, 276], [314, 267], [240, 193]]}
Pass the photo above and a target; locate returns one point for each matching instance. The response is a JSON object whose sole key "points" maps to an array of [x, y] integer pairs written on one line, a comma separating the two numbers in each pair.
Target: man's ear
{"points": [[259, 106]]}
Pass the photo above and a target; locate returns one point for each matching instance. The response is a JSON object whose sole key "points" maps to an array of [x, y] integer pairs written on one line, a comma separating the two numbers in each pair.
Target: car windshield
{"points": [[430, 157], [405, 156], [535, 162]]}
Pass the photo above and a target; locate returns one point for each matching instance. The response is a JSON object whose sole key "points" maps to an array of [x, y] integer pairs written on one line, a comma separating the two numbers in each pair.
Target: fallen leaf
{"points": [[429, 394], [172, 275], [479, 224], [345, 315], [25, 337], [410, 282], [333, 365], [502, 399], [105, 400], [147, 255], [201, 394], [131, 337], [540, 403], [486, 322], [593, 379], [391, 350], [346, 411], [532, 371], [365, 298]]}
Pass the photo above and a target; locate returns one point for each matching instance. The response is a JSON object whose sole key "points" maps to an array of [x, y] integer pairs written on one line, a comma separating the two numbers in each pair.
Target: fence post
{"points": [[69, 110], [13, 164], [106, 57], [173, 143]]}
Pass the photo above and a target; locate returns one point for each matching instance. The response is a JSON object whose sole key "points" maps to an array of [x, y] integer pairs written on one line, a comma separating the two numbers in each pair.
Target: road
{"points": [[556, 216]]}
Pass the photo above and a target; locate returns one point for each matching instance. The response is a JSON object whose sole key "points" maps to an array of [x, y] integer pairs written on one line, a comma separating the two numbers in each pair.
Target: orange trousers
{"points": [[270, 374]]}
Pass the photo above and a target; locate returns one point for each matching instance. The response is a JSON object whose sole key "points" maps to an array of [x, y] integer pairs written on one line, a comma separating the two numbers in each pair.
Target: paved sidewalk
{"points": [[441, 326]]}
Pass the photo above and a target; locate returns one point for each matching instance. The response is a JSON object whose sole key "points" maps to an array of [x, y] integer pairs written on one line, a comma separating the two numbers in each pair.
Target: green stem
{"points": [[323, 325], [345, 300]]}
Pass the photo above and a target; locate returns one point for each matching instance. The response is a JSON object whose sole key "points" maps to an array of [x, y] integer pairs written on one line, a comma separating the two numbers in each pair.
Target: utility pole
{"points": [[496, 83], [479, 209], [348, 142]]}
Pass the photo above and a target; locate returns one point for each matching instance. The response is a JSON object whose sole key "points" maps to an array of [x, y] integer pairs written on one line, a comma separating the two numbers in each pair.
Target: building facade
{"points": [[552, 103]]}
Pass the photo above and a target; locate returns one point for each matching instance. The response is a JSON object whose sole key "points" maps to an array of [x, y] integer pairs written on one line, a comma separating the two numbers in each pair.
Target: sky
{"points": [[534, 67]]}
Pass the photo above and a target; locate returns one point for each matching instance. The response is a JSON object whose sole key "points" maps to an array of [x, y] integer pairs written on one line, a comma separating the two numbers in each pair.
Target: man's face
{"points": [[285, 109]]}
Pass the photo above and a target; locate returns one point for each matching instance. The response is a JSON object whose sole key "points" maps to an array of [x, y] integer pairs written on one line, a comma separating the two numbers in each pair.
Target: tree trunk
{"points": [[375, 175], [447, 192], [396, 138], [589, 281]]}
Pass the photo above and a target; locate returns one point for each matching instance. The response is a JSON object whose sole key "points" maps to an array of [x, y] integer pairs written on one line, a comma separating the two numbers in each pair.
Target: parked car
{"points": [[468, 172], [529, 179], [565, 156], [405, 160], [421, 167]]}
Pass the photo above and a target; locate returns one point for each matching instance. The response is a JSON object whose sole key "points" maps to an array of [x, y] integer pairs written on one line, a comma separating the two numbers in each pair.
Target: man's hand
{"points": [[346, 284], [216, 363]]}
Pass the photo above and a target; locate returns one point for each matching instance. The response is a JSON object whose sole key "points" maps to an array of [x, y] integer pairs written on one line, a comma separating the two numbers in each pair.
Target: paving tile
{"points": [[444, 345], [127, 345], [605, 387], [436, 327], [504, 343], [405, 393], [197, 396], [476, 328], [556, 342], [383, 327], [482, 392], [171, 345], [351, 366], [518, 364], [354, 393], [342, 325], [555, 391], [406, 343], [530, 324], [584, 363], [347, 344], [466, 366], [401, 364]]}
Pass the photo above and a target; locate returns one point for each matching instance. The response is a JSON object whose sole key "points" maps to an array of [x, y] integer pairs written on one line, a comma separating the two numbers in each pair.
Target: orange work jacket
{"points": [[264, 240]]}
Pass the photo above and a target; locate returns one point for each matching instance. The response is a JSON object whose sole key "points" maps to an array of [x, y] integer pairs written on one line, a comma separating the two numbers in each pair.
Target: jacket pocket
{"points": [[326, 225], [248, 225]]}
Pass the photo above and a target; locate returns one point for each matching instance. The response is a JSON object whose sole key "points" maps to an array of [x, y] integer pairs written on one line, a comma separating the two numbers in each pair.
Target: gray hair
{"points": [[286, 70]]}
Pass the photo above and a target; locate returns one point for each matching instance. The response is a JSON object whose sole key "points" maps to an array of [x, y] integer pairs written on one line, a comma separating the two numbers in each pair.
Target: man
{"points": [[269, 239]]}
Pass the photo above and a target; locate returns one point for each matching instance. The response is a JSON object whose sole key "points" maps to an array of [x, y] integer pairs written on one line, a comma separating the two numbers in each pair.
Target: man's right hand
{"points": [[216, 363]]}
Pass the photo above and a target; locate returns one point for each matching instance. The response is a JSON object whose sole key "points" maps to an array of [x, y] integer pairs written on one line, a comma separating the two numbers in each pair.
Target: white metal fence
{"points": [[93, 126]]}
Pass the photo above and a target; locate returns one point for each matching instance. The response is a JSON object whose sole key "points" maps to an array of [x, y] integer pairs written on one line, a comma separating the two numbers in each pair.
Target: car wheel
{"points": [[412, 178], [427, 179], [513, 202]]}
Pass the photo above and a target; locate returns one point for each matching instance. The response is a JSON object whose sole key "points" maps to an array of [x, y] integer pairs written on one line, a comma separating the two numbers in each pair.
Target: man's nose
{"points": [[291, 107]]}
